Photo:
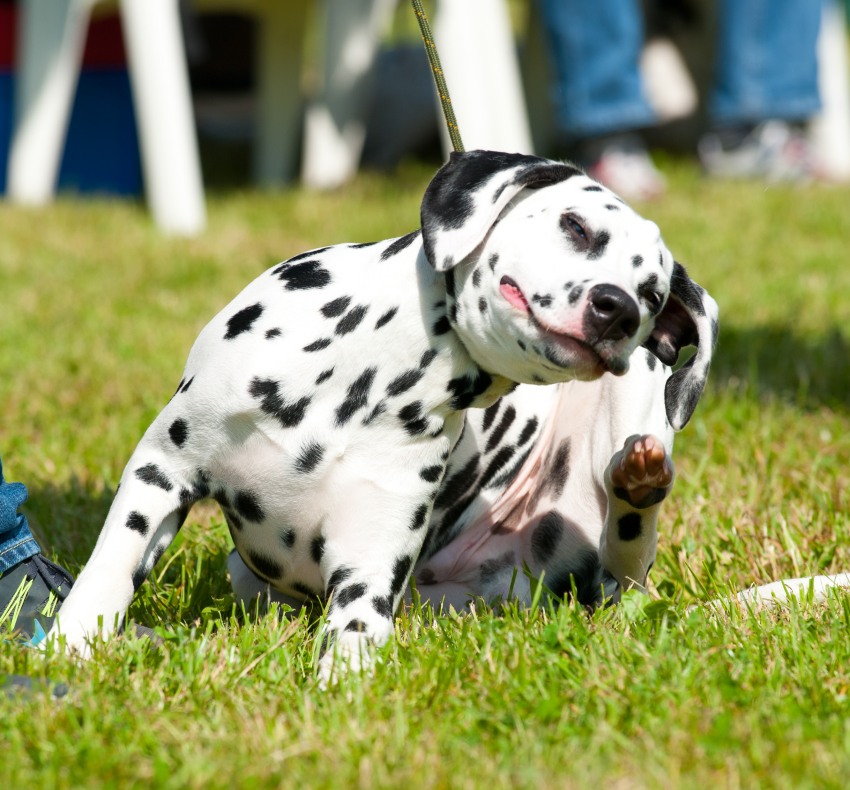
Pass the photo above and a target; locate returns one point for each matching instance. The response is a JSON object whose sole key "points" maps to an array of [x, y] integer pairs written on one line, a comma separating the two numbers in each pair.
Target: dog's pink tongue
{"points": [[512, 293]]}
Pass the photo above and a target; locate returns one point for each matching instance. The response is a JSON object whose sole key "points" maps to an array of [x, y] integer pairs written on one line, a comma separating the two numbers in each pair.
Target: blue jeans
{"points": [[766, 63], [16, 541]]}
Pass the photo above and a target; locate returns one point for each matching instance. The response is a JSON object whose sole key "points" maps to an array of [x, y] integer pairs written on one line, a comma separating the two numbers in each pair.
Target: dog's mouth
{"points": [[560, 348]]}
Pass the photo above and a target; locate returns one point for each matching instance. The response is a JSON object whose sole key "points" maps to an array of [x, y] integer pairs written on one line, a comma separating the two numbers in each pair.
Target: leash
{"points": [[439, 78]]}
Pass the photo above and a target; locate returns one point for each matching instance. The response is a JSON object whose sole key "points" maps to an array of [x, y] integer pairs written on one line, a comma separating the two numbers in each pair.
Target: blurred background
{"points": [[165, 99]]}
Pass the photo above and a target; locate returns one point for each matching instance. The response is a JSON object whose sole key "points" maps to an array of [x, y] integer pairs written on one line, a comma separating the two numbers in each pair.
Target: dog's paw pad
{"points": [[642, 472]]}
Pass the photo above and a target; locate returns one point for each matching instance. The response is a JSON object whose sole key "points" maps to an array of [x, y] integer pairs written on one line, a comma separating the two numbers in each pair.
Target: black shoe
{"points": [[30, 594]]}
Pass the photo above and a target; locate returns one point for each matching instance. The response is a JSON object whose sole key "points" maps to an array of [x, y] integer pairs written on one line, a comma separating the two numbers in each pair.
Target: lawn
{"points": [[97, 313]]}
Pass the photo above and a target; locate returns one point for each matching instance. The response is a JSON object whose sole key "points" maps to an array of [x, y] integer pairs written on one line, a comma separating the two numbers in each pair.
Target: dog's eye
{"points": [[574, 226]]}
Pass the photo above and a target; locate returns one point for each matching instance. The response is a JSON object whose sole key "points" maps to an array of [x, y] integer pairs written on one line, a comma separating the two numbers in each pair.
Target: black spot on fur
{"points": [[301, 256], [419, 516], [309, 457], [383, 605], [398, 245], [243, 321], [586, 574], [482, 305], [248, 507], [356, 397], [138, 523], [347, 595], [356, 626], [317, 548], [318, 345], [304, 590], [411, 416], [335, 307], [507, 477], [340, 575], [593, 188], [490, 414], [490, 569], [493, 260], [179, 431], [386, 317], [651, 360], [629, 527], [287, 414], [499, 460], [465, 389], [186, 386], [450, 283], [499, 431], [154, 476], [404, 382], [350, 321], [637, 261], [287, 537], [272, 333], [544, 300], [363, 244], [575, 294], [612, 207], [455, 486], [324, 376], [546, 536], [527, 431], [304, 276], [427, 358], [559, 468], [476, 277], [431, 474], [264, 566], [441, 326], [400, 570]]}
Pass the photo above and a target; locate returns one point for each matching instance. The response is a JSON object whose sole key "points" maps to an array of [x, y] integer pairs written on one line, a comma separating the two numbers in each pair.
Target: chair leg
{"points": [[335, 125], [161, 96], [51, 36]]}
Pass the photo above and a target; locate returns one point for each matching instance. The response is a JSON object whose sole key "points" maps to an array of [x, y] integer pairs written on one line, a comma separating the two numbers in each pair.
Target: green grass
{"points": [[98, 313]]}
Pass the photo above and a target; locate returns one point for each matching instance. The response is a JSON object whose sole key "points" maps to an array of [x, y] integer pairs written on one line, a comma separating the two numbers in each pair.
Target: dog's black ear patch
{"points": [[468, 194], [689, 318]]}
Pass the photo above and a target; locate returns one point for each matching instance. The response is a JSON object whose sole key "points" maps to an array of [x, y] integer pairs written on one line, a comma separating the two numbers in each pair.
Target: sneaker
{"points": [[628, 171], [30, 594], [772, 150]]}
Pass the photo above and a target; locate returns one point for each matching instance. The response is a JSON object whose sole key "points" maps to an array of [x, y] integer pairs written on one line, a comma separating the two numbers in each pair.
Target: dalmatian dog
{"points": [[482, 402]]}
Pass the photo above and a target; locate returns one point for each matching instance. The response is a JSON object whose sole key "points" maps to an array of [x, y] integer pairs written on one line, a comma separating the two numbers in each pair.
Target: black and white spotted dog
{"points": [[356, 411]]}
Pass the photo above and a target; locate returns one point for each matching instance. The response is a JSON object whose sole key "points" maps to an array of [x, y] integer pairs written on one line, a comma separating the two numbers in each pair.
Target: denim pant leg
{"points": [[594, 48], [766, 61], [16, 541]]}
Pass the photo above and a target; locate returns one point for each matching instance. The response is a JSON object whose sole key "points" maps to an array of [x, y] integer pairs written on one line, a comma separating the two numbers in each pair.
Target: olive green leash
{"points": [[439, 78]]}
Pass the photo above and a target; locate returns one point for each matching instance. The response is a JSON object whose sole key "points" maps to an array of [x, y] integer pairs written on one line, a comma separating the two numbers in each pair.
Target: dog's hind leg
{"points": [[152, 502]]}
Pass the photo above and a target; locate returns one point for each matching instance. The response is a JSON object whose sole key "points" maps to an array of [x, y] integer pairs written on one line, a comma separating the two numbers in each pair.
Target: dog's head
{"points": [[551, 277]]}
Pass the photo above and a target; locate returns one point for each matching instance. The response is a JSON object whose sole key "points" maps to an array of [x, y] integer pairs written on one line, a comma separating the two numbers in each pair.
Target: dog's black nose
{"points": [[611, 314]]}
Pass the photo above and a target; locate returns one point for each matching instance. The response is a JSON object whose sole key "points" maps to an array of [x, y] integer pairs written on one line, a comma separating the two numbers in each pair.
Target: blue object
{"points": [[16, 541], [766, 63], [102, 146]]}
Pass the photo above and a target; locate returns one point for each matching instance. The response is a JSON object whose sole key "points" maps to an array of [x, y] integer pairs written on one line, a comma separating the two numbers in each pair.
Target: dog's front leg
{"points": [[148, 510], [367, 566], [638, 478]]}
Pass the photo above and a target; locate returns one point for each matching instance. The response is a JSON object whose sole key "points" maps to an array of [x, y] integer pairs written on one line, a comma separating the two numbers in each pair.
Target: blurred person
{"points": [[763, 92]]}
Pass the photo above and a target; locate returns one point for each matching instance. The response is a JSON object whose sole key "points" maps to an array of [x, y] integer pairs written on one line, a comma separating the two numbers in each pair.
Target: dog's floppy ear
{"points": [[689, 318], [468, 194]]}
